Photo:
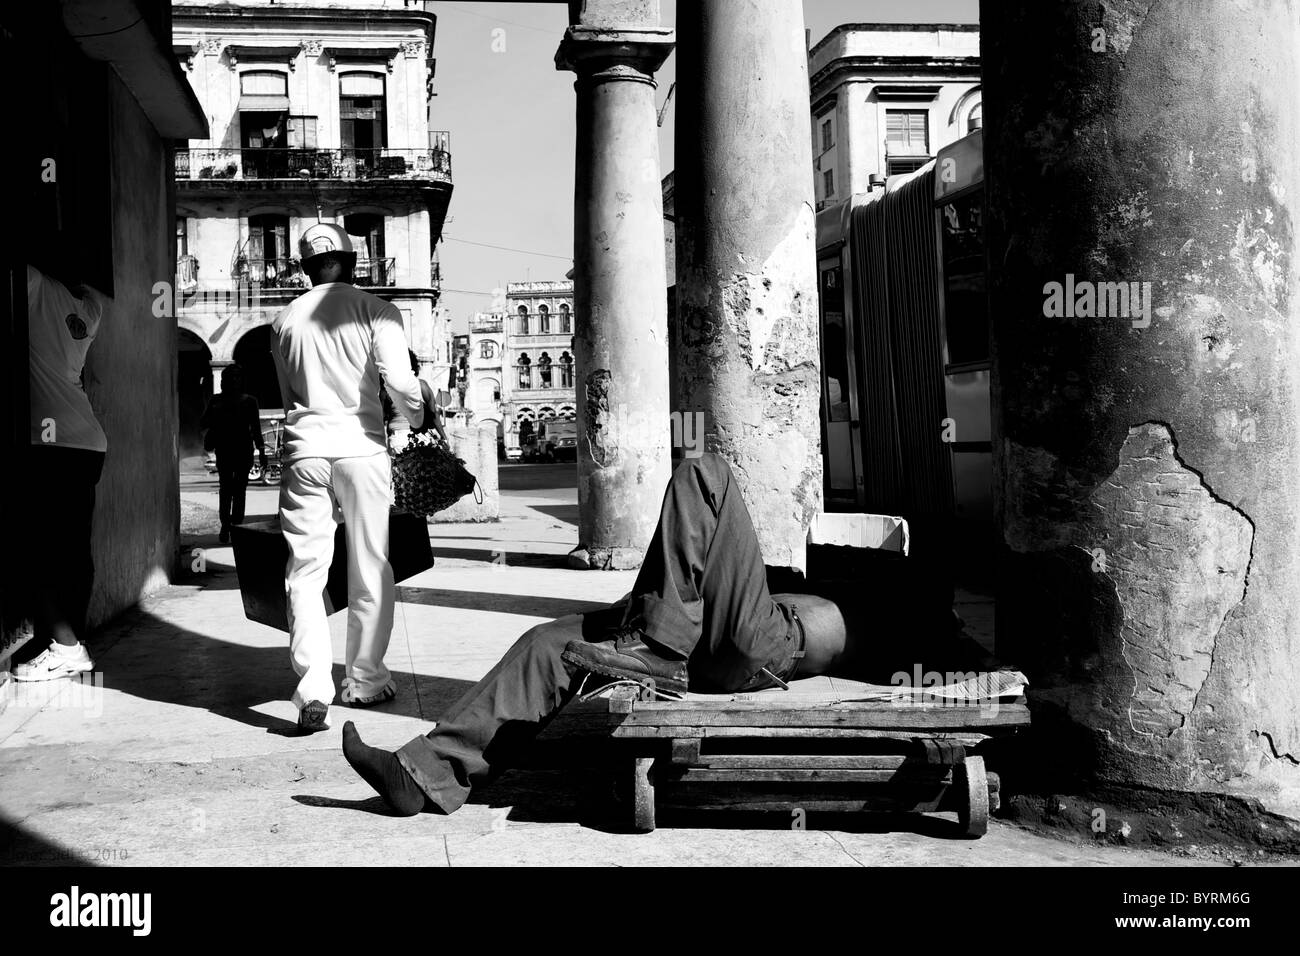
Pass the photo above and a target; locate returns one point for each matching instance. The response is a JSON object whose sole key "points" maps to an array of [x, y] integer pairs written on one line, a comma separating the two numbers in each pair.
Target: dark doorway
{"points": [[194, 388], [253, 354]]}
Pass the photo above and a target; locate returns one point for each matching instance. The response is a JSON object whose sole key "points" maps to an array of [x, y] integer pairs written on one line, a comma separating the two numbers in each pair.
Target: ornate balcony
{"points": [[242, 165], [287, 273]]}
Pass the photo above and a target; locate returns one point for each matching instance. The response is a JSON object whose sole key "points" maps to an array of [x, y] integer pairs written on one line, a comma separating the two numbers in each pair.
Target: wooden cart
{"points": [[810, 749]]}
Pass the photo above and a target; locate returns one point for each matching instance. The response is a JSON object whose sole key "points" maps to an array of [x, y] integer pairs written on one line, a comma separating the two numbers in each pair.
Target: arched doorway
{"points": [[193, 389], [253, 354]]}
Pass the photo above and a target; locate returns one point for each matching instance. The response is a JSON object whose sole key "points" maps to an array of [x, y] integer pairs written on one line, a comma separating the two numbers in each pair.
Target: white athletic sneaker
{"points": [[54, 662], [353, 699]]}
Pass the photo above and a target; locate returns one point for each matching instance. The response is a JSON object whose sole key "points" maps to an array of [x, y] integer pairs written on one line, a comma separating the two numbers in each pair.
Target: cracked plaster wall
{"points": [[1172, 450]]}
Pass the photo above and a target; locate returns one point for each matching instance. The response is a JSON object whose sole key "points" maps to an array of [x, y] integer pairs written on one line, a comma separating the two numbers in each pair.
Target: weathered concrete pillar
{"points": [[620, 320], [1146, 435], [746, 330]]}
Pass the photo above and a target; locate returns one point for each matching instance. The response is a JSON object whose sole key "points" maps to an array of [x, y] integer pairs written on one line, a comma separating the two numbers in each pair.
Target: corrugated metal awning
{"points": [[264, 102]]}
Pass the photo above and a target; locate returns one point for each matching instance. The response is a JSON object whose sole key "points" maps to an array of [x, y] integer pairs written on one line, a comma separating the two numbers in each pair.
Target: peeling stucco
{"points": [[601, 438], [1179, 558]]}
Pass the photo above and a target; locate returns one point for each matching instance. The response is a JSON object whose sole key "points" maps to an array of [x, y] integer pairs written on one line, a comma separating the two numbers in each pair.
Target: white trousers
{"points": [[315, 495]]}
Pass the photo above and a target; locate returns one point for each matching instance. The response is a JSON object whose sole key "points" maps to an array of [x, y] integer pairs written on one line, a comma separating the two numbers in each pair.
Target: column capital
{"points": [[589, 51]]}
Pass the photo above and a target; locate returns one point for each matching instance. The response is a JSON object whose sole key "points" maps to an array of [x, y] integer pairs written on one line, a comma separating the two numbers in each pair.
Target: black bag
{"points": [[428, 478], [261, 555]]}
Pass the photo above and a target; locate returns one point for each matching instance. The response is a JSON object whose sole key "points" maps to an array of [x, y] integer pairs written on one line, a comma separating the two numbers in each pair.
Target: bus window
{"points": [[966, 316], [835, 353]]}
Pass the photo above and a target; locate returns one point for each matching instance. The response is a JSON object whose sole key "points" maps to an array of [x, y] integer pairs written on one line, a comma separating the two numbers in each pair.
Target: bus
{"points": [[905, 417]]}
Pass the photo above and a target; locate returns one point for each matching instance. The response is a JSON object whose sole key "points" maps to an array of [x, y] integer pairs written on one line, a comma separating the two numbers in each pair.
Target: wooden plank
{"points": [[807, 761], [916, 775], [621, 699], [683, 797], [954, 718], [605, 725], [784, 702], [686, 751]]}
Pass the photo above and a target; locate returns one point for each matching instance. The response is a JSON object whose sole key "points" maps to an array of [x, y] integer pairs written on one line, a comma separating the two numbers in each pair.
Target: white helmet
{"points": [[324, 237]]}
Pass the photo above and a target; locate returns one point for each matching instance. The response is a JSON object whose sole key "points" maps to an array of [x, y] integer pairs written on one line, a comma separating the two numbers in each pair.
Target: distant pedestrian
{"points": [[333, 346], [433, 417], [66, 460], [234, 429]]}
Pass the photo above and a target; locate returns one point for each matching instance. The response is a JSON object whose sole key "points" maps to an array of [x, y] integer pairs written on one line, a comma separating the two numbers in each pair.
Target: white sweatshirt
{"points": [[331, 346], [60, 328]]}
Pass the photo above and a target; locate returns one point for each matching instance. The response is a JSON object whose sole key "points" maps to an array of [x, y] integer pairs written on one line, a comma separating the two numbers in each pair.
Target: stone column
{"points": [[1146, 437], [746, 331], [620, 318]]}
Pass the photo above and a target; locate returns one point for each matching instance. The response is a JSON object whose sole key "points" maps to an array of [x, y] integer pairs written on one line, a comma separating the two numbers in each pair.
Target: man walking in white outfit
{"points": [[335, 347]]}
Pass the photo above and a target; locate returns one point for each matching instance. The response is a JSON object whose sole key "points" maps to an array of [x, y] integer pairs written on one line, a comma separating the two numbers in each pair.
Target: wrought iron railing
{"points": [[302, 163], [375, 272], [282, 273]]}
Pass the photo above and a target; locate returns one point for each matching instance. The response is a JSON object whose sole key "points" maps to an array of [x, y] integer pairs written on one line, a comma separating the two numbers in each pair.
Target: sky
{"points": [[511, 118]]}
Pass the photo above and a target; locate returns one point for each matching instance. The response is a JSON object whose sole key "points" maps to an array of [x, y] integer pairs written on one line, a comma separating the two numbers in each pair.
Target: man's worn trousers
{"points": [[702, 591]]}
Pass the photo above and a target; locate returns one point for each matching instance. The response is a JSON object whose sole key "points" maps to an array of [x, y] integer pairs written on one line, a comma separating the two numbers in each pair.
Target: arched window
{"points": [[566, 370], [976, 118], [523, 320], [544, 369], [546, 413], [543, 320], [565, 328], [525, 371]]}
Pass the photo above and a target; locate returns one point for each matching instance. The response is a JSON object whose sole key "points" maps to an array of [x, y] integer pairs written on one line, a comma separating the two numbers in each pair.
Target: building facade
{"points": [[316, 113], [886, 97], [538, 379], [485, 365]]}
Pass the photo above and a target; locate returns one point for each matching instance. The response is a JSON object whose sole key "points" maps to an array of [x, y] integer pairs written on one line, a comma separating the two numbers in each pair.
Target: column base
{"points": [[583, 558]]}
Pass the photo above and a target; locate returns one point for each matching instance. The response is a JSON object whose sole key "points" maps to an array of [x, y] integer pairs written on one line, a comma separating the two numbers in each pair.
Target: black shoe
{"points": [[312, 719], [628, 657], [384, 772], [224, 537]]}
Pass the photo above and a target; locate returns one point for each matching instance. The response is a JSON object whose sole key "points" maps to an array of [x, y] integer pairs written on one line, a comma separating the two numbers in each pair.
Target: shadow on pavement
{"points": [[20, 847], [527, 604], [566, 513], [169, 664]]}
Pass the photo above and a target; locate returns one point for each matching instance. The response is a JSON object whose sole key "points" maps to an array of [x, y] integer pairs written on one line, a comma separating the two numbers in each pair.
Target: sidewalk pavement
{"points": [[185, 754]]}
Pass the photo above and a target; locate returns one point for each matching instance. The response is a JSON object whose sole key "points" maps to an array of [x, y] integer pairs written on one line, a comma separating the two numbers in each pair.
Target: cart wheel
{"points": [[643, 796], [974, 813]]}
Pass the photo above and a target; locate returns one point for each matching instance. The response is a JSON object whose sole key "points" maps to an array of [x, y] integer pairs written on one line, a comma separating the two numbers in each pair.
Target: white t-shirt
{"points": [[332, 345], [60, 328]]}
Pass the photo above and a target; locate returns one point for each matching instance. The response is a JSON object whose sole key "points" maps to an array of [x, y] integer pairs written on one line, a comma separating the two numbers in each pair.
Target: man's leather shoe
{"points": [[628, 657]]}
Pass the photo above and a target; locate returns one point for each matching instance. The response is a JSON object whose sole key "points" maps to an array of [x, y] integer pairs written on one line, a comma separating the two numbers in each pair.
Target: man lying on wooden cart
{"points": [[699, 617]]}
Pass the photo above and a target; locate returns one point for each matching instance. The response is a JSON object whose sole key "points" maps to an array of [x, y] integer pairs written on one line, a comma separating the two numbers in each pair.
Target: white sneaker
{"points": [[353, 699], [54, 662]]}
